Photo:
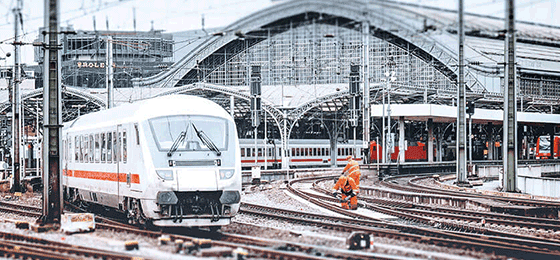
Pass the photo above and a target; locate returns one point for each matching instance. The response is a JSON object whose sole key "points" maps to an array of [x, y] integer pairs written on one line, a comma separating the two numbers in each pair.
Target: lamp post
{"points": [[388, 143]]}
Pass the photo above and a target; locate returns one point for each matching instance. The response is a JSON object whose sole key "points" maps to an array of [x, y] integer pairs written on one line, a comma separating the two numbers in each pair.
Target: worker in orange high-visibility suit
{"points": [[353, 170], [349, 191]]}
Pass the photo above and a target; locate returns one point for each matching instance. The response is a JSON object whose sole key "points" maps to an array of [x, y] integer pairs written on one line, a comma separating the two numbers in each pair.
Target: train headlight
{"points": [[230, 197], [166, 198], [165, 174], [226, 174]]}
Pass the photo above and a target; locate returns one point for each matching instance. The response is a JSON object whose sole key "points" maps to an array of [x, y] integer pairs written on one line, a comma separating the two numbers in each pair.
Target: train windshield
{"points": [[544, 144], [167, 130]]}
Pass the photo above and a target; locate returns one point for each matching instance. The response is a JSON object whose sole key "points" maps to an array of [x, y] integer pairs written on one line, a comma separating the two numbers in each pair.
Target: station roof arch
{"points": [[74, 103]]}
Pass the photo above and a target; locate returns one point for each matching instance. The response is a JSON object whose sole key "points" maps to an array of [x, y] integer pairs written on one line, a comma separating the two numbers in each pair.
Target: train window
{"points": [[103, 148], [120, 147], [97, 151], [260, 152], [327, 152], [110, 147], [76, 151], [137, 134], [91, 148], [81, 147], [242, 152], [114, 147], [86, 149], [314, 151], [293, 151], [124, 147]]}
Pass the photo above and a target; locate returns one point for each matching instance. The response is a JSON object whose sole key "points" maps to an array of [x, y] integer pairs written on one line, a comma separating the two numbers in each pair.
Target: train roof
{"points": [[150, 108]]}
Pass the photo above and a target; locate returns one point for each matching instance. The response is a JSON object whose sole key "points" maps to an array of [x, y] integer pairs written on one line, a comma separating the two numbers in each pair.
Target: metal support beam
{"points": [[366, 106], [52, 191], [401, 140], [431, 141], [490, 141], [510, 103], [285, 137], [461, 109]]}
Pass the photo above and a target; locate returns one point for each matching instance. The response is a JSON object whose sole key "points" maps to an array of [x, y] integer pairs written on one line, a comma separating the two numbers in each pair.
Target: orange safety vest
{"points": [[346, 185], [353, 169]]}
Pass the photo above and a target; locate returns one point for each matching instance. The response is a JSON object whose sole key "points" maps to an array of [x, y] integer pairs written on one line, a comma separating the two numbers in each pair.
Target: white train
{"points": [[170, 161], [301, 153]]}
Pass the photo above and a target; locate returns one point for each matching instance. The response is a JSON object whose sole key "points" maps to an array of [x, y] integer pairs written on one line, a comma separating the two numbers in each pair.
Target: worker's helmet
{"points": [[348, 157]]}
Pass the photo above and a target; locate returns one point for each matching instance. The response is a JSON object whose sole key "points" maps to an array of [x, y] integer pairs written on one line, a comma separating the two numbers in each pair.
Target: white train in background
{"points": [[171, 161], [302, 153]]}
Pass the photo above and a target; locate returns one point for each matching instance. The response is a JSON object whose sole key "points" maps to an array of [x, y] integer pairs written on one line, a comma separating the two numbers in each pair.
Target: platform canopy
{"points": [[447, 114]]}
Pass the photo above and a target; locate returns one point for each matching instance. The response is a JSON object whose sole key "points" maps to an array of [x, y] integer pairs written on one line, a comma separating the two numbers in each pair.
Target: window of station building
{"points": [[97, 151], [103, 148], [110, 147], [124, 147], [114, 147]]}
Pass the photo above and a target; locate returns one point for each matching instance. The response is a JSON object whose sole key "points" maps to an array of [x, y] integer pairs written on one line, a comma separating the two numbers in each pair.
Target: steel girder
{"points": [[276, 114]]}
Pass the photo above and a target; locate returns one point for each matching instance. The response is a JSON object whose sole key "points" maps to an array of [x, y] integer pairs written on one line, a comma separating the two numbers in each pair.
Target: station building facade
{"points": [[136, 54]]}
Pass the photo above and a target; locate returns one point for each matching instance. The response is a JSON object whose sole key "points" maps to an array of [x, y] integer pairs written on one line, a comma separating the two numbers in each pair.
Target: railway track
{"points": [[453, 207], [413, 186], [489, 242], [257, 247]]}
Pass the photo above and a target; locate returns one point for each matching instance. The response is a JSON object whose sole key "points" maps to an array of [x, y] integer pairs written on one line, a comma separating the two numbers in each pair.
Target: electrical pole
{"points": [[510, 103], [109, 71], [52, 192], [461, 108], [16, 103]]}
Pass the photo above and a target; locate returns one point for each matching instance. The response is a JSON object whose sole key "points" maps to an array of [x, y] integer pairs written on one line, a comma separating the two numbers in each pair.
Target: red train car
{"points": [[547, 150], [416, 151]]}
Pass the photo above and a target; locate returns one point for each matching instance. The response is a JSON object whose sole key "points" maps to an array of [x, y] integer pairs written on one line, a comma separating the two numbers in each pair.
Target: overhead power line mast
{"points": [[52, 191], [16, 105], [461, 107], [510, 103]]}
